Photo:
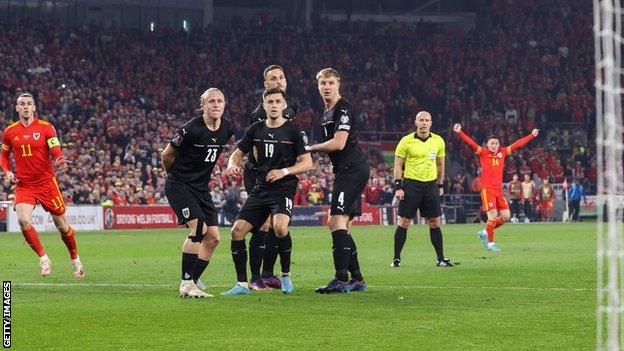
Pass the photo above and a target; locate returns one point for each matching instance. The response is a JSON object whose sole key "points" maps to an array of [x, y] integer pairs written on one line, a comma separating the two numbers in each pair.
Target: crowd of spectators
{"points": [[116, 95]]}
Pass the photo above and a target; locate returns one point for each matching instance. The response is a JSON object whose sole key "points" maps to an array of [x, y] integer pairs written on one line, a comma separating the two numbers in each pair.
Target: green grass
{"points": [[538, 293]]}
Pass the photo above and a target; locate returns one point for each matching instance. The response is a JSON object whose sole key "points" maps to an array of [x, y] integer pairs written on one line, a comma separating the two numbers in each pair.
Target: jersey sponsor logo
{"points": [[26, 136], [344, 127], [271, 135], [184, 131], [214, 140], [186, 212], [344, 111], [16, 138], [36, 136], [340, 208], [344, 119], [432, 155]]}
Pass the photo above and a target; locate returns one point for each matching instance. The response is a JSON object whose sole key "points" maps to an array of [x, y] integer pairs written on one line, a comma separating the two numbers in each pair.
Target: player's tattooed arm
{"points": [[168, 156]]}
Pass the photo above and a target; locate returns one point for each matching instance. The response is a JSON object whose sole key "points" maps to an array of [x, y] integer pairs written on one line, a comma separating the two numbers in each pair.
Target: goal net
{"points": [[610, 187]]}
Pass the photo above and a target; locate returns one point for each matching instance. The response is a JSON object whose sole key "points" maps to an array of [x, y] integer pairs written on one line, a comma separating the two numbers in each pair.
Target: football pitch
{"points": [[538, 293]]}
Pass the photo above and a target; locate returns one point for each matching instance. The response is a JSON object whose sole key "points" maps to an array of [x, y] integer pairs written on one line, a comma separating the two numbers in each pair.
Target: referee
{"points": [[419, 187]]}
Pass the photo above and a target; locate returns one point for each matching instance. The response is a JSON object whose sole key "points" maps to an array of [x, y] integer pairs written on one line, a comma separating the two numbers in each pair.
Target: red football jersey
{"points": [[493, 163], [492, 166], [32, 147]]}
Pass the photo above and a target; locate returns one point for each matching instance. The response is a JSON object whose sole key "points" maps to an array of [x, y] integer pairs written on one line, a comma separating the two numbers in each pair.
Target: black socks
{"points": [[341, 252]]}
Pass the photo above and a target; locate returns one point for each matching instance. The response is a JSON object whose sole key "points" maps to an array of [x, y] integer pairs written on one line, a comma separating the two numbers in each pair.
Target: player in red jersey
{"points": [[33, 141], [492, 162]]}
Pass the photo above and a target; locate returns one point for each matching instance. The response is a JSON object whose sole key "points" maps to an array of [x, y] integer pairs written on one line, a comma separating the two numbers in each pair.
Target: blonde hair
{"points": [[204, 96], [326, 73]]}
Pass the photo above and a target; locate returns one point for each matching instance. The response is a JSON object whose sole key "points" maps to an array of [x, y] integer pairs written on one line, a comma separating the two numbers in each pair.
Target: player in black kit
{"points": [[280, 150], [188, 160], [263, 242], [351, 176]]}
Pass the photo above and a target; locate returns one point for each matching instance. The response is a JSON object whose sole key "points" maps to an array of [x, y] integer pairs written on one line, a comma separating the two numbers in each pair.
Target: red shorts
{"points": [[546, 204], [493, 199], [47, 193]]}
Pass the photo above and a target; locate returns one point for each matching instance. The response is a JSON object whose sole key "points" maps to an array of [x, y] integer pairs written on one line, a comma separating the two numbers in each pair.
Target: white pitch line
{"points": [[432, 287]]}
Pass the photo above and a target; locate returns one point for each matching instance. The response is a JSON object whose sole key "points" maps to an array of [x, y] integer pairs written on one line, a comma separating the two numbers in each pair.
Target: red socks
{"points": [[489, 228], [32, 238], [491, 225], [69, 239], [498, 222]]}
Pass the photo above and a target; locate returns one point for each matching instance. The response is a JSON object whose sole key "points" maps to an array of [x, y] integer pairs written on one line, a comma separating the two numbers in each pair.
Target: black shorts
{"points": [[423, 196], [249, 176], [349, 185], [260, 205], [189, 203]]}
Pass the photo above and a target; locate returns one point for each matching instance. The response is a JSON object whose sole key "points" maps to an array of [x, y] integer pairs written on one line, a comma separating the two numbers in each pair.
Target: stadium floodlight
{"points": [[610, 187]]}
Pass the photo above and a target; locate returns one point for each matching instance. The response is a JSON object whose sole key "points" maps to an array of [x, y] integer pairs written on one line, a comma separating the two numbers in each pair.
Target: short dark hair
{"points": [[26, 94], [275, 90], [493, 137], [270, 68]]}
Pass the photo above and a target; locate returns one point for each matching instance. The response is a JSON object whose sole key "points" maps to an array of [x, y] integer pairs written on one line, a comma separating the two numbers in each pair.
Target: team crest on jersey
{"points": [[186, 212], [344, 119], [491, 204], [499, 155], [36, 136]]}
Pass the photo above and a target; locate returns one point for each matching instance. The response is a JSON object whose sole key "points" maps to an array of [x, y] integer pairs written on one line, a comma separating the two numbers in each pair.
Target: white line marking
{"points": [[432, 287]]}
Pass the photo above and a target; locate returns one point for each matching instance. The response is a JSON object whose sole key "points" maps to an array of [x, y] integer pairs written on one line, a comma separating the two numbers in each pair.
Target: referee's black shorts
{"points": [[423, 196]]}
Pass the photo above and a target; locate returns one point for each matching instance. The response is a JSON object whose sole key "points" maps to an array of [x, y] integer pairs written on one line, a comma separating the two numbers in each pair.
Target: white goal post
{"points": [[610, 187]]}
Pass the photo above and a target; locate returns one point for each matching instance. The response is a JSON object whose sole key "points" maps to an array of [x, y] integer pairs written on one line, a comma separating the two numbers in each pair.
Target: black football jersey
{"points": [[198, 151], [342, 118], [275, 148]]}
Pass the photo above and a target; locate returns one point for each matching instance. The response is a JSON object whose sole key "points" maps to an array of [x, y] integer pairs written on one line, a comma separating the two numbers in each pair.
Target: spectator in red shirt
{"points": [[372, 193]]}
